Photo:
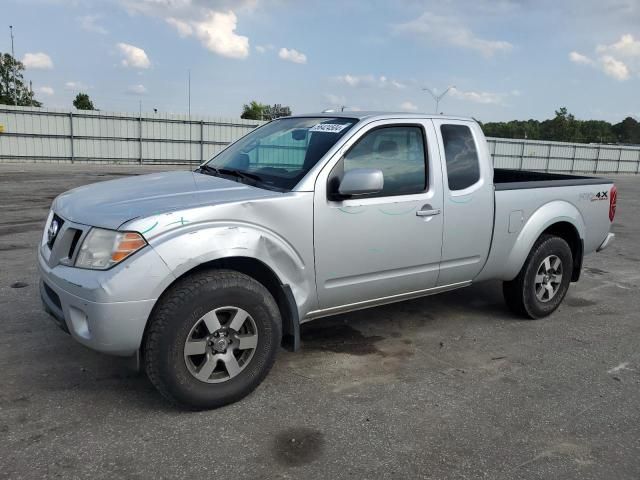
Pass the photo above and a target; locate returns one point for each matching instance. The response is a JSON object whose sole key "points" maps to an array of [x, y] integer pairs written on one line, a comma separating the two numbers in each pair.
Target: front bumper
{"points": [[101, 309]]}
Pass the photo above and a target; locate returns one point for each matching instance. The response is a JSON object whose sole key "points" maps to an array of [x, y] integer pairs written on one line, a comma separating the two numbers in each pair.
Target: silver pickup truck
{"points": [[202, 275]]}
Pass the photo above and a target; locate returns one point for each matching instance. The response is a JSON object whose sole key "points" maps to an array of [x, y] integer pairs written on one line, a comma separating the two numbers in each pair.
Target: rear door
{"points": [[387, 243], [468, 199]]}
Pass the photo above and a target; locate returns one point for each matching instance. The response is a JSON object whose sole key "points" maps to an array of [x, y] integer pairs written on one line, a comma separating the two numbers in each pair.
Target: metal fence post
{"points": [[71, 135], [522, 156], [140, 138], [595, 169], [619, 158], [573, 158], [638, 166], [546, 169], [201, 141]]}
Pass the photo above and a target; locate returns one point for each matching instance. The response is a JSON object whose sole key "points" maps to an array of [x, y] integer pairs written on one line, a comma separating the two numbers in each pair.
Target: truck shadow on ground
{"points": [[357, 333], [388, 331]]}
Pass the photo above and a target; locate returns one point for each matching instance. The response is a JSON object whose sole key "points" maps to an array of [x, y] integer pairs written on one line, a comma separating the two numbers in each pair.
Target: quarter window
{"points": [[399, 152], [463, 167]]}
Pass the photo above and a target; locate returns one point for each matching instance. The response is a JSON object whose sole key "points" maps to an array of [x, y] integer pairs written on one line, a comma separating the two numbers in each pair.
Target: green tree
{"points": [[276, 111], [627, 131], [254, 111], [10, 90], [83, 102]]}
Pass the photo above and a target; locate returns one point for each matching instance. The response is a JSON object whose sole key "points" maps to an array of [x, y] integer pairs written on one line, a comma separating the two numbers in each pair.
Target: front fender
{"points": [[550, 213], [193, 245]]}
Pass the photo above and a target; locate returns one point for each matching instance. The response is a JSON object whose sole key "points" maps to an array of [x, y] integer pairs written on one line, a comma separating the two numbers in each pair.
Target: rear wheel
{"points": [[212, 339], [543, 281]]}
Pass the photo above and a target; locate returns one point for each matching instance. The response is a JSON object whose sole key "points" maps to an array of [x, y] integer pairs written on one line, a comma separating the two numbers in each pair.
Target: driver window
{"points": [[399, 152]]}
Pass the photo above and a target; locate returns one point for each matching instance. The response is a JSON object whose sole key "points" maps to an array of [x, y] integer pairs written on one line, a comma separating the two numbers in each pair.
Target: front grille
{"points": [[74, 242]]}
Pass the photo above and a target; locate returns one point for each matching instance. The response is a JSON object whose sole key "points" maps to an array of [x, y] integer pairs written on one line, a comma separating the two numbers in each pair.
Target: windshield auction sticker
{"points": [[329, 127]]}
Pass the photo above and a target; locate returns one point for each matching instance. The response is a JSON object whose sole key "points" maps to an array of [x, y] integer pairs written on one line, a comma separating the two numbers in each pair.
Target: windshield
{"points": [[281, 152]]}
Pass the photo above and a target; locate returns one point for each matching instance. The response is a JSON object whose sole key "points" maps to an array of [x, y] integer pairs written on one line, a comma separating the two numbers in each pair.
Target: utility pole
{"points": [[13, 56], [437, 98], [189, 92], [189, 110]]}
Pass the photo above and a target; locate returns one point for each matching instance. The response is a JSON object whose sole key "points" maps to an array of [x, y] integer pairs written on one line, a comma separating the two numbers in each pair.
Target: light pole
{"points": [[437, 98], [13, 56]]}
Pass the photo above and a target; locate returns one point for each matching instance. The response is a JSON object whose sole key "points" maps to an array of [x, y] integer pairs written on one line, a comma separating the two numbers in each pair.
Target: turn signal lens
{"points": [[129, 243]]}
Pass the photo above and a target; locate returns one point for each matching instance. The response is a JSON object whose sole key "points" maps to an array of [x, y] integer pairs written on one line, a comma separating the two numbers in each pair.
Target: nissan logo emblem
{"points": [[52, 231]]}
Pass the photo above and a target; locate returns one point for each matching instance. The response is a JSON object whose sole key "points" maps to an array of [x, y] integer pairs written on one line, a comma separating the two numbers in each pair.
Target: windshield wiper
{"points": [[230, 171]]}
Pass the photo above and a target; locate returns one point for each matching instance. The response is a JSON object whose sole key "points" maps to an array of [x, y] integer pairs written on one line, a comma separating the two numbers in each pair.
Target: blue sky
{"points": [[508, 59]]}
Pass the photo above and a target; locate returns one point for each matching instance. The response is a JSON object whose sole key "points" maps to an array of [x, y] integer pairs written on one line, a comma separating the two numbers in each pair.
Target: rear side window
{"points": [[463, 167], [399, 152]]}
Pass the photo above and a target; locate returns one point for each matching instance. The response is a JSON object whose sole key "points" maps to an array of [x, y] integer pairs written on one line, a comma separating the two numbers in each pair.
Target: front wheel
{"points": [[212, 339], [543, 281]]}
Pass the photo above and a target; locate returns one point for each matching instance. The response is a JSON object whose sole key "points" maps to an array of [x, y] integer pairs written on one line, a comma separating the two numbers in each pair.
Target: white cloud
{"points": [[368, 81], [292, 55], [619, 60], [134, 57], [40, 61], [486, 98], [213, 23], [183, 28], [450, 31], [89, 23], [408, 106], [580, 59], [45, 90], [216, 32], [264, 48], [627, 46], [138, 89], [614, 68], [75, 86]]}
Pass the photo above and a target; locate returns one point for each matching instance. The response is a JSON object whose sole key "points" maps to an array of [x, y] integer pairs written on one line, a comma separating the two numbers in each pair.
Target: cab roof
{"points": [[377, 115]]}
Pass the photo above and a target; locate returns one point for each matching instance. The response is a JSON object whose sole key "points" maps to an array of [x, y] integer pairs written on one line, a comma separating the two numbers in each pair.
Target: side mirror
{"points": [[361, 181]]}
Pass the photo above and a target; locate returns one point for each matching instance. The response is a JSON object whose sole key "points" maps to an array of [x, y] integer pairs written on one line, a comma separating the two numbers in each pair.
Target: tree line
{"points": [[564, 127]]}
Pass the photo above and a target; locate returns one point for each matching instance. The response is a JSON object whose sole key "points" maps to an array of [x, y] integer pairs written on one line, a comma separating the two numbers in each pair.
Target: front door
{"points": [[382, 244]]}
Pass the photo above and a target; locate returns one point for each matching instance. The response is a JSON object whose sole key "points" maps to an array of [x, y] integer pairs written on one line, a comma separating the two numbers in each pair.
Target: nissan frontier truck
{"points": [[202, 275]]}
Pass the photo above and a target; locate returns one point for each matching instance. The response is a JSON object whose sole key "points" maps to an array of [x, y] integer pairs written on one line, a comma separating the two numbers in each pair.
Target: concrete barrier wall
{"points": [[37, 134]]}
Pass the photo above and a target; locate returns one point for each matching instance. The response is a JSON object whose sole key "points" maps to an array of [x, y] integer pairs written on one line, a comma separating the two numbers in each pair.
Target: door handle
{"points": [[428, 212]]}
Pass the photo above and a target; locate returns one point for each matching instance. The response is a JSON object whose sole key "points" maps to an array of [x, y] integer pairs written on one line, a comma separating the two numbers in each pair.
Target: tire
{"points": [[179, 350], [537, 291]]}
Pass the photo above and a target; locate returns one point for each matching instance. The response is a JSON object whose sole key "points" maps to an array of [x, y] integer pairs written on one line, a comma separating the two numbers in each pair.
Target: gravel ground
{"points": [[451, 386]]}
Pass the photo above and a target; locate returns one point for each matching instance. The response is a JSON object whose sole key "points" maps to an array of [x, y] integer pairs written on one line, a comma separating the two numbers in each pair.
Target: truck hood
{"points": [[110, 204]]}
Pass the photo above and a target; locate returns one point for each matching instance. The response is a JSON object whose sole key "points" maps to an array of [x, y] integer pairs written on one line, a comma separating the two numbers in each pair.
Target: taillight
{"points": [[613, 196]]}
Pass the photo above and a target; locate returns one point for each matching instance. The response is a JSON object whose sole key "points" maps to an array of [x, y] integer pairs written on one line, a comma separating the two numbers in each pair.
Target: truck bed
{"points": [[508, 179]]}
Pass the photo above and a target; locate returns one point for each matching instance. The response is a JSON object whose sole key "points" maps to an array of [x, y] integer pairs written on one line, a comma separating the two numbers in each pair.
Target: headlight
{"points": [[102, 249]]}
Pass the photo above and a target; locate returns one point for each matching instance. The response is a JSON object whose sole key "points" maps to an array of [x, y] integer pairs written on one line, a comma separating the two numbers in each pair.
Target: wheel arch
{"points": [[558, 218], [569, 233], [263, 274]]}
